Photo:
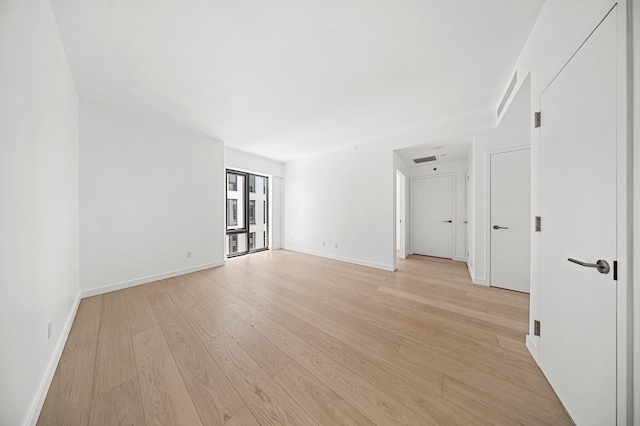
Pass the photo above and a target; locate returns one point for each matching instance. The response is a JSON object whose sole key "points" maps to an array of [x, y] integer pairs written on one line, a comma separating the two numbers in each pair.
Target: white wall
{"points": [[348, 195], [513, 130], [38, 205], [242, 161], [149, 193], [343, 197], [458, 168]]}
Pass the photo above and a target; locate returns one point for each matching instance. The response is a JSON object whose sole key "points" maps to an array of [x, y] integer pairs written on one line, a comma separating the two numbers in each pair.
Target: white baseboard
{"points": [[343, 259], [144, 280], [474, 279], [477, 280], [532, 345], [460, 259], [36, 406]]}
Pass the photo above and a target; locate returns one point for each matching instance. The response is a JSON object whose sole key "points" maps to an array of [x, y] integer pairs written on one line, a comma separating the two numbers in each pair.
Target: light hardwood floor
{"points": [[279, 337]]}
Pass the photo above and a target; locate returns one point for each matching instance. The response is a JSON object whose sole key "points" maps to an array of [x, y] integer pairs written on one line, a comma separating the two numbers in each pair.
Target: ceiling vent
{"points": [[424, 159], [505, 98]]}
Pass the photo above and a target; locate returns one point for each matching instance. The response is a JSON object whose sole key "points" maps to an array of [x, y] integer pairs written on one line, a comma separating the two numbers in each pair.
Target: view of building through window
{"points": [[247, 213]]}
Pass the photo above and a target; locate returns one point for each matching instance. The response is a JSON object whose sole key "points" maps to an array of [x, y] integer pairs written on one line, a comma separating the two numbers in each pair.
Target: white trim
{"points": [[390, 268], [148, 279], [36, 406], [454, 207], [460, 259], [474, 279], [403, 209], [479, 281], [624, 198], [487, 204], [532, 346]]}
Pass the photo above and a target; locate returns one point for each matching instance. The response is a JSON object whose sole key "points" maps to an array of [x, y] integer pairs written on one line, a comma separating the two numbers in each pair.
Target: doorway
{"points": [[433, 215], [510, 219], [400, 215], [247, 213]]}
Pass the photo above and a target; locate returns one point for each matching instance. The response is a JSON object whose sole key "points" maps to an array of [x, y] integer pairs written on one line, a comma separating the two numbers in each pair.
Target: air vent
{"points": [[424, 159], [505, 98]]}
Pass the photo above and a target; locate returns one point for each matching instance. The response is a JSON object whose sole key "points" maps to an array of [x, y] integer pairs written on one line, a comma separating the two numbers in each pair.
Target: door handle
{"points": [[499, 227], [448, 221], [601, 265]]}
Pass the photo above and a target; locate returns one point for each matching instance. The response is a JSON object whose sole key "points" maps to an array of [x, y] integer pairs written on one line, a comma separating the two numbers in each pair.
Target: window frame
{"points": [[245, 230]]}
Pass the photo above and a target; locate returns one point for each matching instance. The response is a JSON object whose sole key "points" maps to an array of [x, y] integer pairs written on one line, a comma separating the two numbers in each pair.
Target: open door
{"points": [[578, 240]]}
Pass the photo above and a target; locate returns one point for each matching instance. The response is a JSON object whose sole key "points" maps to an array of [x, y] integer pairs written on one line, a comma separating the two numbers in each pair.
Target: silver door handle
{"points": [[601, 265], [448, 221], [499, 227]]}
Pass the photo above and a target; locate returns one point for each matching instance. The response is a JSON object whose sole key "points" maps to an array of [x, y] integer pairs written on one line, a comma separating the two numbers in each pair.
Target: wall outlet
{"points": [[188, 254], [49, 329], [323, 244], [336, 245]]}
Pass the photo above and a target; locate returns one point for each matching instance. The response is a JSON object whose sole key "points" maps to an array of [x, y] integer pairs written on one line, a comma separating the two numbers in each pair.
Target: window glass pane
{"points": [[252, 212], [235, 201], [232, 182], [232, 212], [252, 183], [236, 244]]}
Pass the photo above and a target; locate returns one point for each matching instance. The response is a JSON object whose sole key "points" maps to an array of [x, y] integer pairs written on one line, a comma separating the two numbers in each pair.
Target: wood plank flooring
{"points": [[279, 337]]}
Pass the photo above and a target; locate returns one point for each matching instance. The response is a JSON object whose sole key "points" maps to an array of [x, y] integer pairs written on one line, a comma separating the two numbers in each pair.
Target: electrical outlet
{"points": [[49, 329], [188, 254], [336, 245], [323, 244]]}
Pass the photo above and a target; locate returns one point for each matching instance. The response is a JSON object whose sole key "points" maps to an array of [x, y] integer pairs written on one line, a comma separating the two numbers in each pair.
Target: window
{"points": [[233, 182], [264, 186], [264, 212], [232, 213], [233, 243], [252, 240], [252, 183], [264, 238], [252, 212]]}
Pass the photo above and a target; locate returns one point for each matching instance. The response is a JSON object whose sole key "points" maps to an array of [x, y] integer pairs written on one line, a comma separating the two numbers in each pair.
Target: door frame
{"points": [[402, 199], [624, 143], [454, 207], [487, 248], [467, 216]]}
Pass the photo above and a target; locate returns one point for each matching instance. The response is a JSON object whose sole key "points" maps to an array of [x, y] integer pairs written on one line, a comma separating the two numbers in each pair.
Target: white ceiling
{"points": [[446, 151], [287, 79]]}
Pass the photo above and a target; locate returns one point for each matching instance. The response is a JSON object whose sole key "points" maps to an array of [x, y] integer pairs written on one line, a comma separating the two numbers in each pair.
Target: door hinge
{"points": [[538, 223], [536, 328], [536, 119], [615, 270]]}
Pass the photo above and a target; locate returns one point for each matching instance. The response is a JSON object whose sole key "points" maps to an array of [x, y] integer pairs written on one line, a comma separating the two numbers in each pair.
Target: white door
{"points": [[578, 210], [433, 216], [510, 224]]}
